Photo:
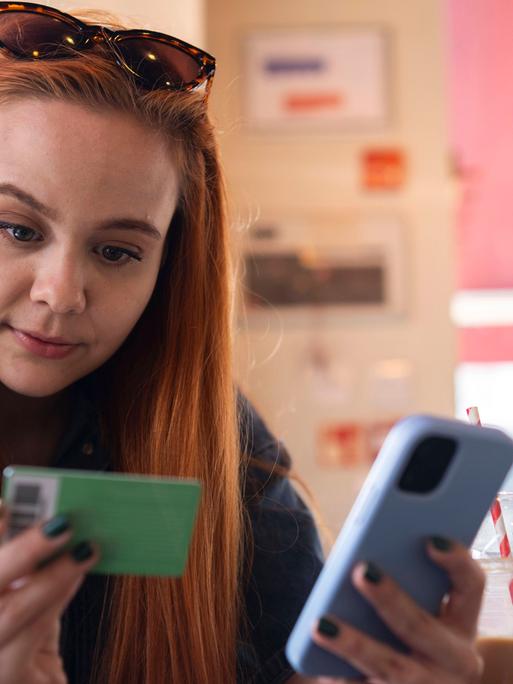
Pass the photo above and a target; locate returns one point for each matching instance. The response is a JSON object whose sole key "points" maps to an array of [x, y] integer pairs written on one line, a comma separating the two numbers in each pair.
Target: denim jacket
{"points": [[286, 558]]}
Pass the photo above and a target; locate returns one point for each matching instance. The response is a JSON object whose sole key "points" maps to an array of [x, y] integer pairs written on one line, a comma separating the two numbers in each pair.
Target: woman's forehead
{"points": [[100, 160]]}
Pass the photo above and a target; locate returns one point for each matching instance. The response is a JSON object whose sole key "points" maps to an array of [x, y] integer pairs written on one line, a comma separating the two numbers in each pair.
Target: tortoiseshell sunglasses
{"points": [[154, 60]]}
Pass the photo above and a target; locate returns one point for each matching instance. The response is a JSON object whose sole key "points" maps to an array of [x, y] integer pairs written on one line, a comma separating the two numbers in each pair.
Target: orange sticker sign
{"points": [[383, 169]]}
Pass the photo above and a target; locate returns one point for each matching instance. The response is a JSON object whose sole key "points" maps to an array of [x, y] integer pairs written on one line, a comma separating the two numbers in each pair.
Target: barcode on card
{"points": [[27, 494], [29, 500]]}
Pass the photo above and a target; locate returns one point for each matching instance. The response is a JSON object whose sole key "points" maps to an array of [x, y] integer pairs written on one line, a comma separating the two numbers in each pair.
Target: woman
{"points": [[115, 353]]}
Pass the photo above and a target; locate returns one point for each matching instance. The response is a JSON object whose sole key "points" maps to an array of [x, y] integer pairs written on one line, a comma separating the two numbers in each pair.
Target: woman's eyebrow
{"points": [[131, 224], [116, 223], [28, 199]]}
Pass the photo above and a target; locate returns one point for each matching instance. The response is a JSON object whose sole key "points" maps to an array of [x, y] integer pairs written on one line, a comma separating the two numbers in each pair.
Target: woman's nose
{"points": [[59, 283]]}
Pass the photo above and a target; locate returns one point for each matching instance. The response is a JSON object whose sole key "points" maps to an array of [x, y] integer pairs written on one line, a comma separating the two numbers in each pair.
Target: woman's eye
{"points": [[19, 233], [23, 234], [119, 255]]}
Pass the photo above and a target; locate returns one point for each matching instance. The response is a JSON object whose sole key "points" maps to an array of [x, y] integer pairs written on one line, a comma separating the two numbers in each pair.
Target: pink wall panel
{"points": [[480, 40], [485, 344], [480, 69]]}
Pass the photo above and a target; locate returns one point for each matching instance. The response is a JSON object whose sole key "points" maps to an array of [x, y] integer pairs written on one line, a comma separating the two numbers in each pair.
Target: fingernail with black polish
{"points": [[441, 543], [327, 628], [372, 573], [81, 552], [56, 526]]}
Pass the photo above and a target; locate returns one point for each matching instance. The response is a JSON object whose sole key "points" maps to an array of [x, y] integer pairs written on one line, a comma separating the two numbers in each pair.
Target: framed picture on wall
{"points": [[348, 267], [303, 79]]}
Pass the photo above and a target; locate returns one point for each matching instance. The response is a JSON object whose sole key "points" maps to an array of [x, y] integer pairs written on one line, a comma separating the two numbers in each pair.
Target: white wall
{"points": [[311, 173]]}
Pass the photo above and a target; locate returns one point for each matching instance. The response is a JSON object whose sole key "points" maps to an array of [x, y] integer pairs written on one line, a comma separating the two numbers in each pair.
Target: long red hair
{"points": [[168, 398]]}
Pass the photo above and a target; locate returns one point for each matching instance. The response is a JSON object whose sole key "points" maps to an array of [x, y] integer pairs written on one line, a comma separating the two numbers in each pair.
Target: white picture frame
{"points": [[310, 79], [309, 246]]}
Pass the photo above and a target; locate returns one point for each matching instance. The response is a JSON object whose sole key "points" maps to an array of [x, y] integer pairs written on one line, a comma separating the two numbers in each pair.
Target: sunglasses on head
{"points": [[155, 60]]}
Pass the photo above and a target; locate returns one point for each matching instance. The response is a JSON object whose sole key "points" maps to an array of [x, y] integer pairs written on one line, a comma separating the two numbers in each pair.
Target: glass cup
{"points": [[495, 627], [487, 540], [506, 502]]}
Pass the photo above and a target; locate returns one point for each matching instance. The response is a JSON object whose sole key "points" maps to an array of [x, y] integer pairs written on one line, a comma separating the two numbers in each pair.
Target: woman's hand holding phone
{"points": [[443, 647], [409, 617], [33, 597]]}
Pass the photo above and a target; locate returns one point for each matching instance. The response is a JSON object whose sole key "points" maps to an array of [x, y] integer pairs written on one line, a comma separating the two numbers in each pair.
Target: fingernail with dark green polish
{"points": [[56, 526], [441, 543], [327, 628], [81, 552], [372, 573]]}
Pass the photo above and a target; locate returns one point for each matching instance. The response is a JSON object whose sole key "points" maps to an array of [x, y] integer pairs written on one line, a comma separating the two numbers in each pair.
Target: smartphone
{"points": [[432, 476], [142, 524]]}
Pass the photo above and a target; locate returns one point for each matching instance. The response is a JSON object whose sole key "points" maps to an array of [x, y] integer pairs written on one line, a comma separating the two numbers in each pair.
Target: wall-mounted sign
{"points": [[310, 78], [341, 445], [347, 265], [351, 444], [383, 169]]}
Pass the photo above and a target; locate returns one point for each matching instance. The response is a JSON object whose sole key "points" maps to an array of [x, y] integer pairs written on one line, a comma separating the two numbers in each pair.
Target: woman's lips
{"points": [[38, 347]]}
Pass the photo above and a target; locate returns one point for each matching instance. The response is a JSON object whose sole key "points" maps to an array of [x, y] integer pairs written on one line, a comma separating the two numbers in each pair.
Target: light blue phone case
{"points": [[390, 527]]}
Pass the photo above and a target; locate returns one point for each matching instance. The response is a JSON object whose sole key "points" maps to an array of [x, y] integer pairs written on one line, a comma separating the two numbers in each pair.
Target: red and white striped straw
{"points": [[473, 415], [500, 528], [495, 510]]}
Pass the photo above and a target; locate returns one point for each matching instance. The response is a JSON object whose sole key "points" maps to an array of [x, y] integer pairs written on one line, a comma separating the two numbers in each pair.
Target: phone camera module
{"points": [[427, 465]]}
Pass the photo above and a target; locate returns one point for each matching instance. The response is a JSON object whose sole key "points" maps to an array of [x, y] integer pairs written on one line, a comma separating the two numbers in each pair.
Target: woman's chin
{"points": [[34, 387]]}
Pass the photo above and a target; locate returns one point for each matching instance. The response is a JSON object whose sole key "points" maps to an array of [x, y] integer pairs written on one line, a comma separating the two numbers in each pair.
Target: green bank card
{"points": [[143, 525]]}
